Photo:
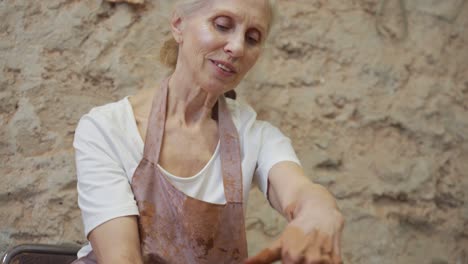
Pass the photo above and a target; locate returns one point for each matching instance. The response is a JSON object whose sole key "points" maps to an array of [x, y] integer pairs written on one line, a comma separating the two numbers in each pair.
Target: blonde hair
{"points": [[170, 49]]}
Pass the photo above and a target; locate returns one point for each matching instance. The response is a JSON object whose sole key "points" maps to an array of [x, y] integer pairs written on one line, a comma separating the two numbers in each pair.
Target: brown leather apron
{"points": [[176, 228]]}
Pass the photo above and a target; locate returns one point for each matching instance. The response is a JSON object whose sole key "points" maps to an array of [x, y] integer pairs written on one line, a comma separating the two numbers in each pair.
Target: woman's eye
{"points": [[221, 27], [253, 38], [222, 23]]}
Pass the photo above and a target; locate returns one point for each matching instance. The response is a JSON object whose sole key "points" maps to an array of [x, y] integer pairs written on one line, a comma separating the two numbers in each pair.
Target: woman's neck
{"points": [[187, 101]]}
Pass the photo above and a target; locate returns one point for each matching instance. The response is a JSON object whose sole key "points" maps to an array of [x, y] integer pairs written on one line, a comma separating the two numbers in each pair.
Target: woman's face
{"points": [[220, 43]]}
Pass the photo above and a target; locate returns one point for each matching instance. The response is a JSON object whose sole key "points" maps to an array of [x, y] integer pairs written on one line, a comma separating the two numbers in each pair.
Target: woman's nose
{"points": [[235, 46]]}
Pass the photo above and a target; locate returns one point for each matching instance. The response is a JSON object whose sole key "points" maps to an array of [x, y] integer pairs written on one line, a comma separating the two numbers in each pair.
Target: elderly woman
{"points": [[163, 176]]}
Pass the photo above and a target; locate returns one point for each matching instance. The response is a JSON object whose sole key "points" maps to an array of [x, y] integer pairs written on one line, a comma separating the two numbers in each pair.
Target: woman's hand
{"points": [[313, 237], [313, 234]]}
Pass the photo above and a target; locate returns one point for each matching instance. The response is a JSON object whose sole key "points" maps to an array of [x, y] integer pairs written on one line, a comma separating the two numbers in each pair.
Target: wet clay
{"points": [[312, 247], [176, 228]]}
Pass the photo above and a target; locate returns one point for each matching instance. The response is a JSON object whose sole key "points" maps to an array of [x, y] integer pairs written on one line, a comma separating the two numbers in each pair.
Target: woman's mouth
{"points": [[224, 66]]}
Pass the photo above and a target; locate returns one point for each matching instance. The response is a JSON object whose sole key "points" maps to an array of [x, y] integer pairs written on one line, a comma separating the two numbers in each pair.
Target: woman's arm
{"points": [[105, 197], [290, 190], [313, 234], [117, 241]]}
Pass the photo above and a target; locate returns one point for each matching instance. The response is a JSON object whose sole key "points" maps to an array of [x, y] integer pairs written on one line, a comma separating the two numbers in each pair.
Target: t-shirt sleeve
{"points": [[275, 147], [104, 191]]}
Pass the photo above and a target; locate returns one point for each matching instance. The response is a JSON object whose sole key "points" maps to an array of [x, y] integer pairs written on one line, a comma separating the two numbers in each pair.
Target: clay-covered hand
{"points": [[312, 237]]}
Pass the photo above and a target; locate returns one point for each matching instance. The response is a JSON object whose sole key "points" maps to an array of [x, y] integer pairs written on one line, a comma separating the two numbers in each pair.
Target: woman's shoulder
{"points": [[246, 119], [241, 110], [111, 115]]}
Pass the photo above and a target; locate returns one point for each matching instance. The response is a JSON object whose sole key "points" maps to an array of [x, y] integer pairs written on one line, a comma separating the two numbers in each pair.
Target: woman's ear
{"points": [[176, 26]]}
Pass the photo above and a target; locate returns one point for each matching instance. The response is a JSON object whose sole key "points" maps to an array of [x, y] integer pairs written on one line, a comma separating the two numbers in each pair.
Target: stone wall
{"points": [[373, 93]]}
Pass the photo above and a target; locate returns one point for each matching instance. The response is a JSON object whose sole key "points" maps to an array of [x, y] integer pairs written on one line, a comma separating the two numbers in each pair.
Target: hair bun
{"points": [[169, 52]]}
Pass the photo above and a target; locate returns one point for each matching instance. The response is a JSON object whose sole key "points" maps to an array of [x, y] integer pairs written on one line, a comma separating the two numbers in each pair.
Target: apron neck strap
{"points": [[156, 124], [230, 154]]}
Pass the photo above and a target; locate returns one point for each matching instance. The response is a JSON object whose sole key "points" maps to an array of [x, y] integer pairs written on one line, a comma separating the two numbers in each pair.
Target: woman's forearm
{"points": [[310, 196], [314, 231], [291, 193]]}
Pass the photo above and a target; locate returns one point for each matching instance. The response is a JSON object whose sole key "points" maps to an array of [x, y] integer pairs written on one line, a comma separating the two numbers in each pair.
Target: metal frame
{"points": [[59, 250]]}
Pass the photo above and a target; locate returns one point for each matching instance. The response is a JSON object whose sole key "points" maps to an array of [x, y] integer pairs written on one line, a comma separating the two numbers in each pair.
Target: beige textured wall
{"points": [[373, 93]]}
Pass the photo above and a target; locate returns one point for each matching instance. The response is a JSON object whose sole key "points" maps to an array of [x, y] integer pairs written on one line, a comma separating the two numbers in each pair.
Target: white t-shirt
{"points": [[108, 149]]}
